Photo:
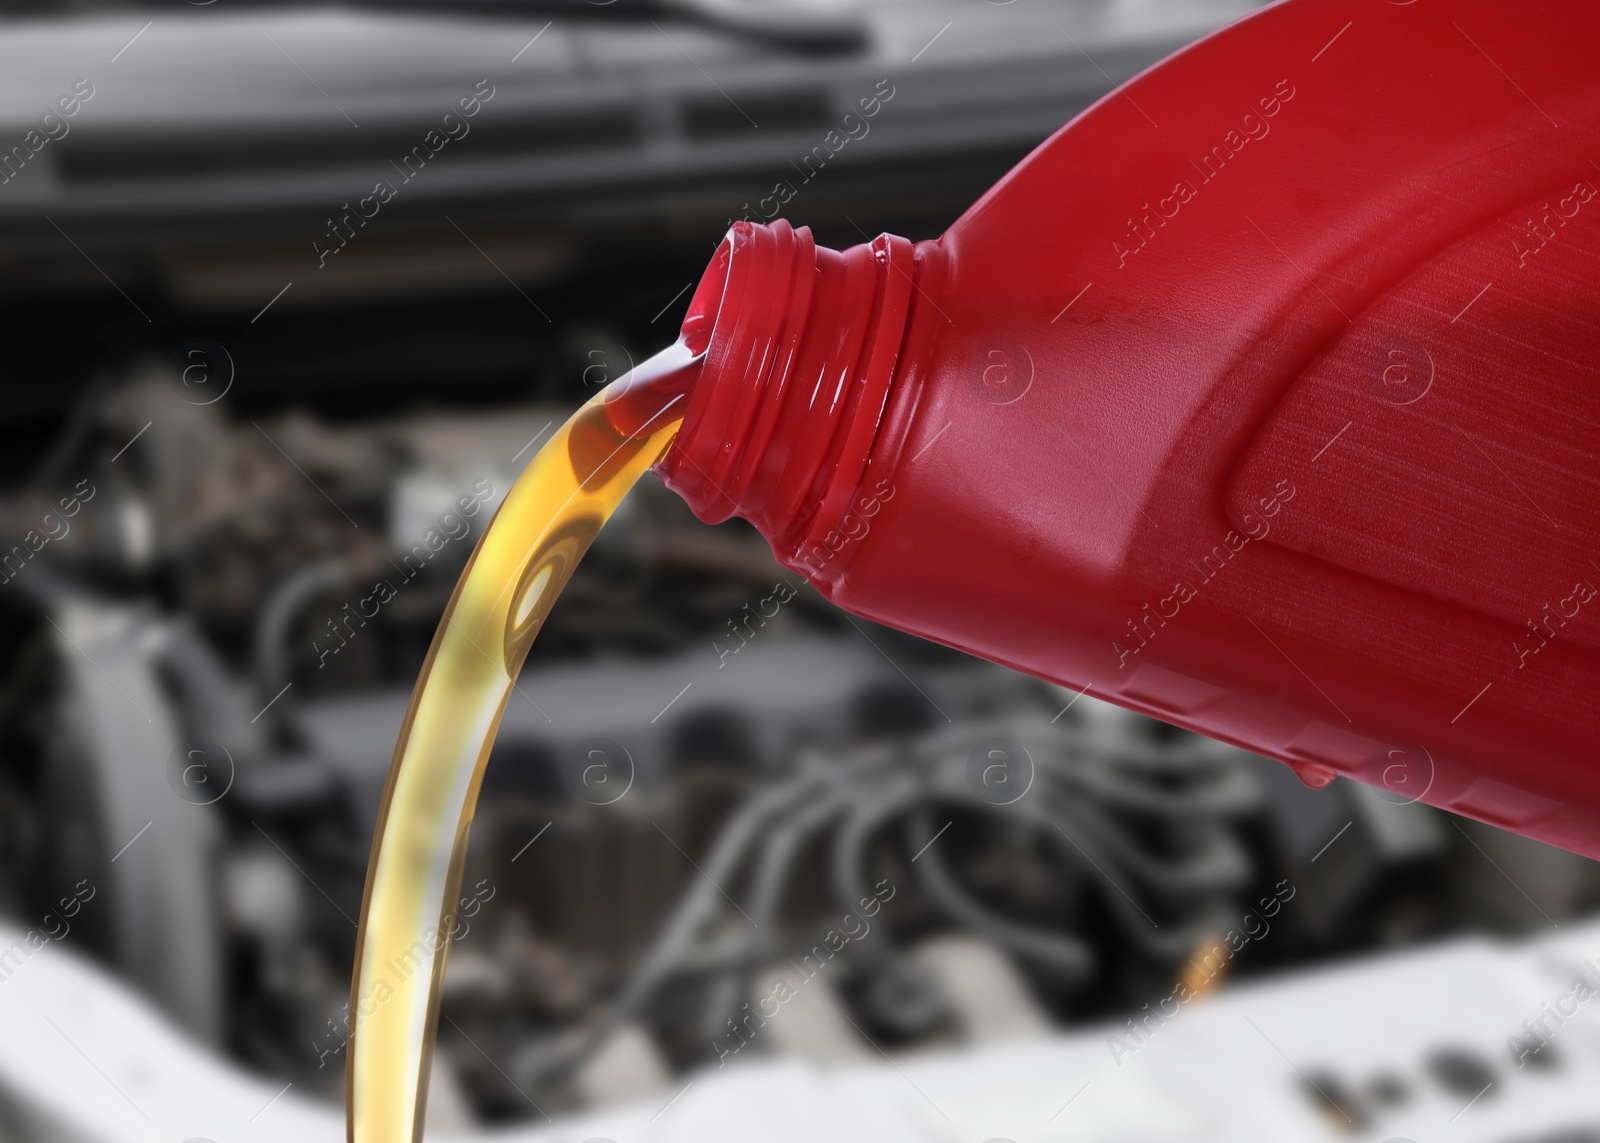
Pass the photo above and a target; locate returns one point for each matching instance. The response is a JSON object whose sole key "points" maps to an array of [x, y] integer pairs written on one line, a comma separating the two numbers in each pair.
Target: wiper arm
{"points": [[791, 30]]}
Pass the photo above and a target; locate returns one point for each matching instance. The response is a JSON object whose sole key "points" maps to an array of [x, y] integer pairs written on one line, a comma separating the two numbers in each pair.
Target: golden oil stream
{"points": [[519, 567]]}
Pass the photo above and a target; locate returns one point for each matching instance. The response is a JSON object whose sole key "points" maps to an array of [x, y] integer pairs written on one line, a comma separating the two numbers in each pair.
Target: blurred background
{"points": [[282, 284]]}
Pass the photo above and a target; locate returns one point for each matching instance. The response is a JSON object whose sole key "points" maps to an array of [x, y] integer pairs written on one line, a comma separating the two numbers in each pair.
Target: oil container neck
{"points": [[801, 344]]}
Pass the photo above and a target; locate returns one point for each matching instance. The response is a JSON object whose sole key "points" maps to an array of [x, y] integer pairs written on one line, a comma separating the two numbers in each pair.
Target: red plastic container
{"points": [[1263, 398]]}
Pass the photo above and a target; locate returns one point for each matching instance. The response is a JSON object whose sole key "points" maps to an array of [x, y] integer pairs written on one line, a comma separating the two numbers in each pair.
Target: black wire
{"points": [[1066, 956]]}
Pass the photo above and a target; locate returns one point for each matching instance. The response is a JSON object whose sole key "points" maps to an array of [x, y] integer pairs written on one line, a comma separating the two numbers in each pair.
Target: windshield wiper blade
{"points": [[786, 29]]}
